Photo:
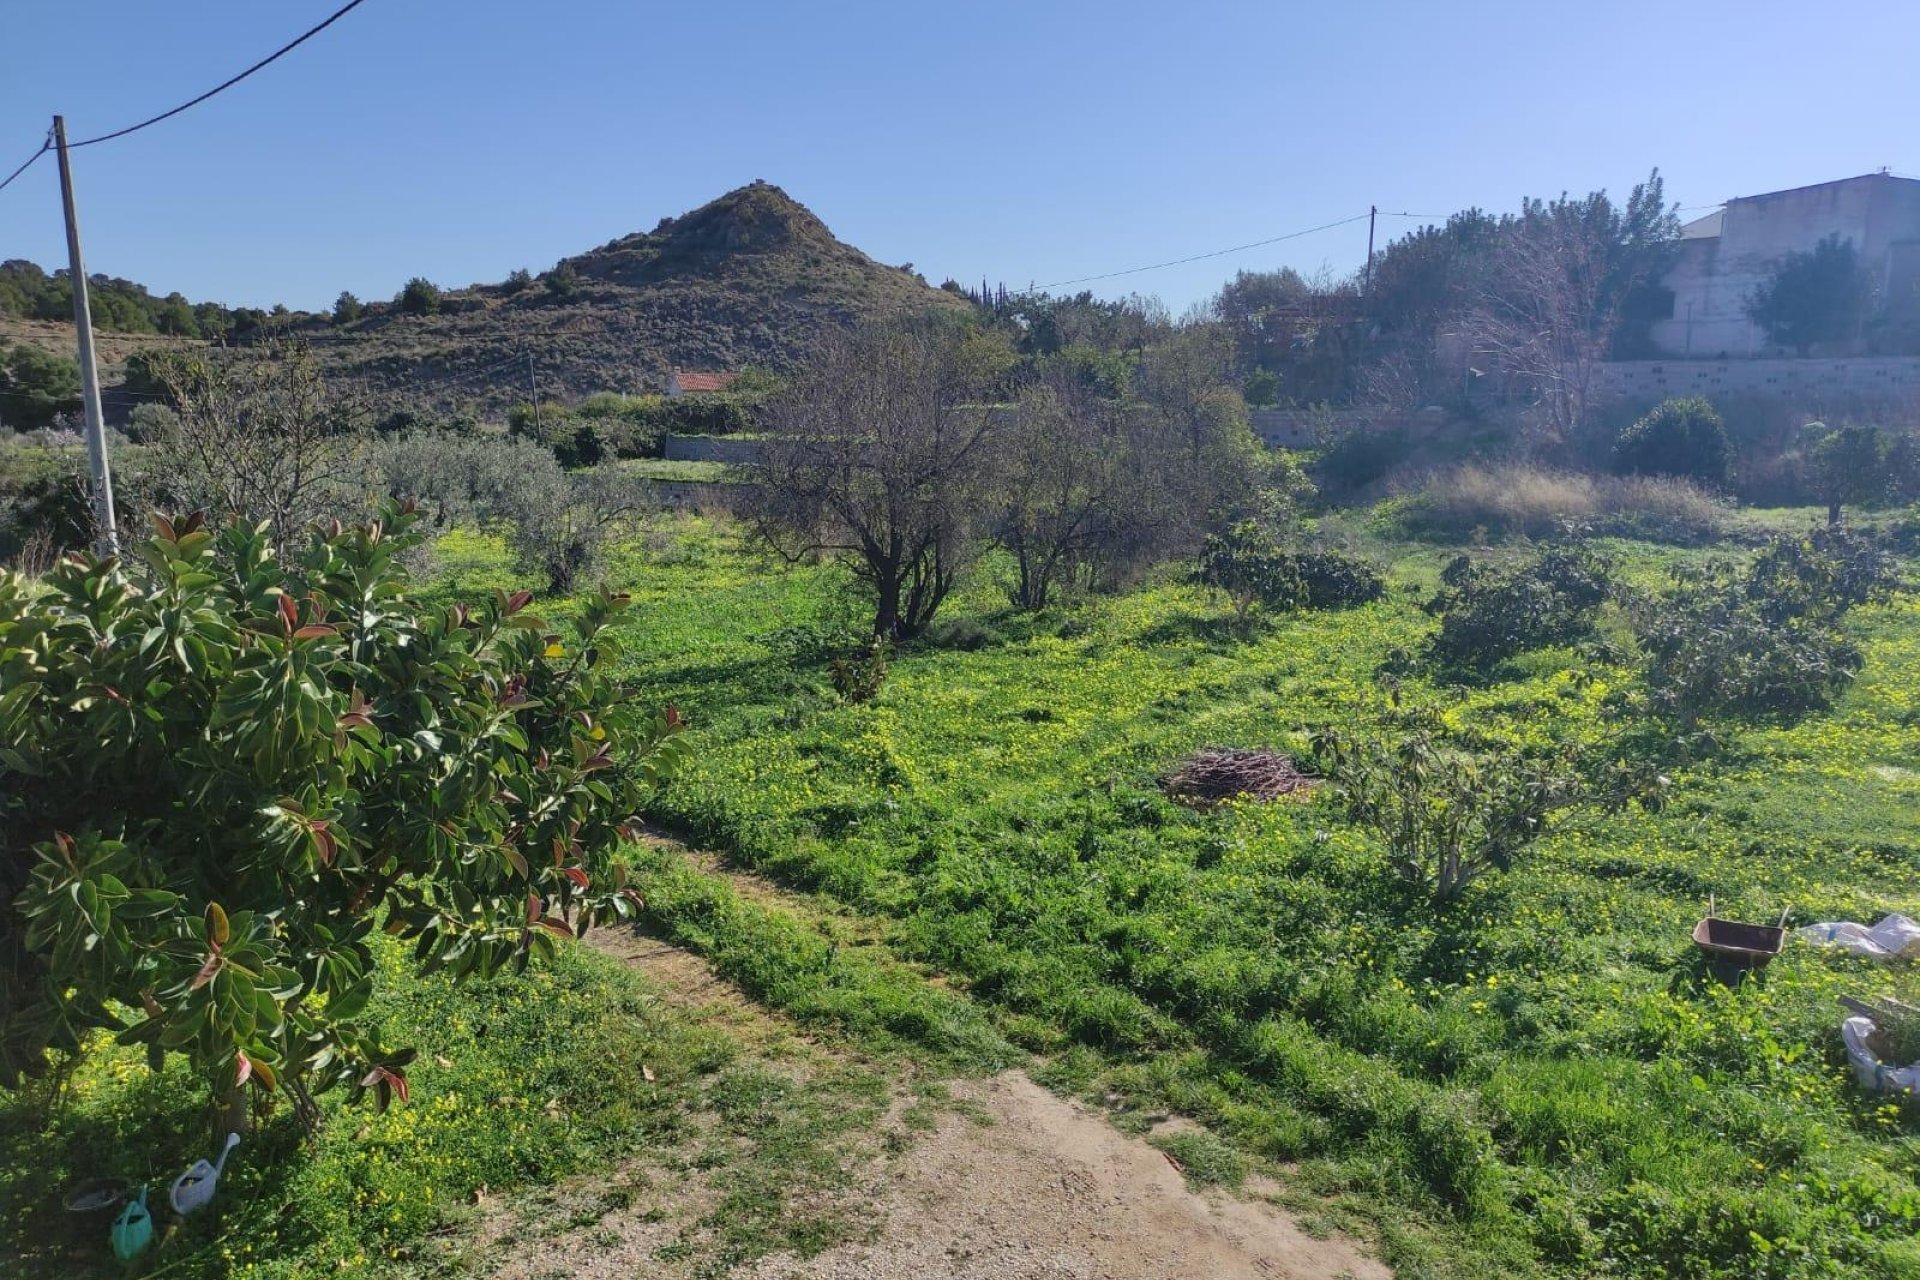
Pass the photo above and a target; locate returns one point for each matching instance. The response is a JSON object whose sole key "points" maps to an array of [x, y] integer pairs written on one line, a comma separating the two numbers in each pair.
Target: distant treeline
{"points": [[122, 306]]}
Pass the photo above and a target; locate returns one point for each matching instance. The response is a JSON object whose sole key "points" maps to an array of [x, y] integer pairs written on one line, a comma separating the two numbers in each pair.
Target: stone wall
{"points": [[710, 449], [1808, 384]]}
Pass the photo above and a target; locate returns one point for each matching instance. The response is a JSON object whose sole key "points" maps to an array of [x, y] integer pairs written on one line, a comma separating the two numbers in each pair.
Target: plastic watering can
{"points": [[132, 1231], [192, 1189]]}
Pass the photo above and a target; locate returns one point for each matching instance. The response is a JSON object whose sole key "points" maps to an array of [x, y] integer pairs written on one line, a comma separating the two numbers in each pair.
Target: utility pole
{"points": [[1366, 288], [109, 537], [533, 389]]}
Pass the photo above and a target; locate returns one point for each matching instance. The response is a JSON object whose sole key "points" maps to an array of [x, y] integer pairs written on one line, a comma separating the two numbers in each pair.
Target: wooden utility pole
{"points": [[103, 519], [1366, 288]]}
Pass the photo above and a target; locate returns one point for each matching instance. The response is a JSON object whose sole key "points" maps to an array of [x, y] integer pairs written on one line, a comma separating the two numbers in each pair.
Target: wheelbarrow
{"points": [[1736, 947]]}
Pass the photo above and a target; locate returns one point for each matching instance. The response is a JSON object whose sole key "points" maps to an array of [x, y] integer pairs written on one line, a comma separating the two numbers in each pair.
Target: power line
{"points": [[1198, 257], [222, 87], [44, 148]]}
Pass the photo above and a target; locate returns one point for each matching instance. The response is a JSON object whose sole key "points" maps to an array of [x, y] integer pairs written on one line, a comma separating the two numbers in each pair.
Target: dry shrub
{"points": [[1523, 500], [1213, 774]]}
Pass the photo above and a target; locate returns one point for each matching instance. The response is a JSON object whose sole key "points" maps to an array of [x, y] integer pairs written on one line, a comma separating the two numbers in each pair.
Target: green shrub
{"points": [[1849, 467], [1333, 580], [1246, 564], [1446, 814], [36, 387], [1680, 437], [43, 499], [965, 634], [221, 772], [1820, 574], [420, 297], [1712, 654], [859, 677], [1357, 457], [1489, 615], [1763, 642]]}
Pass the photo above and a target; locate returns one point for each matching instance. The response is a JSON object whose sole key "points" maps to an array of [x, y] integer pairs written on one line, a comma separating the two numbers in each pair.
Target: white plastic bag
{"points": [[1881, 1077], [1893, 937]]}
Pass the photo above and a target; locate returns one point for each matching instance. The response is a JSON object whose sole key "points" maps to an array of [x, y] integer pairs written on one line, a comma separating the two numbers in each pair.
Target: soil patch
{"points": [[1035, 1187]]}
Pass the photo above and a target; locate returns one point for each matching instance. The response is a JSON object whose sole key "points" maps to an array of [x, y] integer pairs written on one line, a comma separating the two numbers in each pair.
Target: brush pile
{"points": [[1213, 774]]}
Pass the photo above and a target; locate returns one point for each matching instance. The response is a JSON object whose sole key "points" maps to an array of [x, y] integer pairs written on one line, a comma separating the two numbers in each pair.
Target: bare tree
{"points": [[260, 434], [1068, 460], [882, 454], [1563, 277]]}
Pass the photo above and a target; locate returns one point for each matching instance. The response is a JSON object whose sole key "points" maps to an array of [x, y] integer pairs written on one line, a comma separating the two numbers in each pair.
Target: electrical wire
{"points": [[44, 148], [1198, 257], [284, 49]]}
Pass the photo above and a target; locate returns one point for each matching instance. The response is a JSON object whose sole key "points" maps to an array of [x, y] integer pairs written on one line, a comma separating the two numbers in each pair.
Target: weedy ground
{"points": [[1542, 1080]]}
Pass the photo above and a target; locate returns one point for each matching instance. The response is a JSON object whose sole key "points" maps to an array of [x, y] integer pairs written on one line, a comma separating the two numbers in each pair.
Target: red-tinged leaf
{"points": [[333, 526], [578, 877], [555, 927], [399, 1079], [627, 831], [205, 975], [559, 851], [164, 527], [533, 908], [289, 613], [314, 630], [324, 844], [373, 1077], [217, 930], [633, 896], [195, 523], [518, 601], [264, 1077], [151, 1005], [242, 1069], [516, 860], [115, 694], [674, 719]]}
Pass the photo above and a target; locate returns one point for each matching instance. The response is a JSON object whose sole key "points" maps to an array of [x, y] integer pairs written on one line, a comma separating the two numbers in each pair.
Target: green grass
{"points": [[520, 1083], [698, 471], [1544, 1080]]}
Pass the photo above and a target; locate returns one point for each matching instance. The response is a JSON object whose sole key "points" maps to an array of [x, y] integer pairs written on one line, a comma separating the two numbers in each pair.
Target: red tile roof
{"points": [[705, 381]]}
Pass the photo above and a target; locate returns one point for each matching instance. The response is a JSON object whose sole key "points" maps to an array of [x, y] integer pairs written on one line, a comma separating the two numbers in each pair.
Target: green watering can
{"points": [[132, 1231]]}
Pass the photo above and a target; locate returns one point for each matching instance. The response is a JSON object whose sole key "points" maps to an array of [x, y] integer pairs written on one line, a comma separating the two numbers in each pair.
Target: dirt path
{"points": [[1048, 1190], [1002, 1181]]}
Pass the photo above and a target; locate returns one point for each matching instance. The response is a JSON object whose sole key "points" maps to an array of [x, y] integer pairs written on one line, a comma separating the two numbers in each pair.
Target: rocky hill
{"points": [[749, 279]]}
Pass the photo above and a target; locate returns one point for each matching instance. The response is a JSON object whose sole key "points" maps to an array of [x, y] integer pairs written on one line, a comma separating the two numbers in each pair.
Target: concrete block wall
{"points": [[1807, 383]]}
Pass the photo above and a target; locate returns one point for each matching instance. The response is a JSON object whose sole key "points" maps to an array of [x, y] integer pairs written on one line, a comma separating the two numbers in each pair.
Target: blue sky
{"points": [[1027, 142]]}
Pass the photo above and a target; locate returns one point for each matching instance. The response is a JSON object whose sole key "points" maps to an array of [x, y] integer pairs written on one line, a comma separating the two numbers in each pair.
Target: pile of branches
{"points": [[1213, 774]]}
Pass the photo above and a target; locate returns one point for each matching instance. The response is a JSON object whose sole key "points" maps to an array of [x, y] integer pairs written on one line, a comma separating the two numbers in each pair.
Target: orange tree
{"points": [[219, 773]]}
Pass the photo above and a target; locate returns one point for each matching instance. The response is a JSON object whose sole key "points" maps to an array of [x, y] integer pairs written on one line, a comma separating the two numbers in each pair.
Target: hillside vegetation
{"points": [[751, 278]]}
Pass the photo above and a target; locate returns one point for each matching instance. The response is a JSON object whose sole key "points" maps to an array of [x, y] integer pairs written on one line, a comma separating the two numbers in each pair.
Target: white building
{"points": [[1726, 255]]}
